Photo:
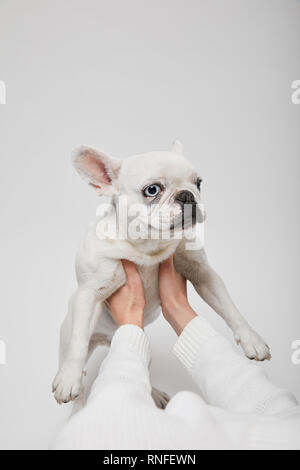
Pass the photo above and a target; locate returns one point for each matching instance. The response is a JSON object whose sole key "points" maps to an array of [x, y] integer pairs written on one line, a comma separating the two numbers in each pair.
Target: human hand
{"points": [[128, 303], [175, 305]]}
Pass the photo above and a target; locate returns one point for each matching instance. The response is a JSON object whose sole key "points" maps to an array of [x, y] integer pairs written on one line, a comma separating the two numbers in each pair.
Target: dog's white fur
{"points": [[100, 272]]}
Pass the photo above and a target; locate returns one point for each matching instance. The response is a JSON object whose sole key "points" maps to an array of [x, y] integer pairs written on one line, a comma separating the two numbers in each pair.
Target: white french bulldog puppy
{"points": [[163, 185]]}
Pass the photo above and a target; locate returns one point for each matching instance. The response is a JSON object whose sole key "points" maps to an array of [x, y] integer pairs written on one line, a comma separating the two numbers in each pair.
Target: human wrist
{"points": [[174, 305], [132, 318], [179, 316]]}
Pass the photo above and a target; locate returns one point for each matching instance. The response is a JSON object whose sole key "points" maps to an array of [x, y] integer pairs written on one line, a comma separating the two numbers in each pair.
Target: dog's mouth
{"points": [[191, 214], [172, 218]]}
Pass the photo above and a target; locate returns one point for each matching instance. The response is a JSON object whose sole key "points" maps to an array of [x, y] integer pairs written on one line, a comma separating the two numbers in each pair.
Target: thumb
{"points": [[130, 269], [167, 266]]}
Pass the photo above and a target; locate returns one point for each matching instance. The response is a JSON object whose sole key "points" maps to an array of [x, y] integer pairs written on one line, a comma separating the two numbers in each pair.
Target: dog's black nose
{"points": [[191, 213], [185, 197]]}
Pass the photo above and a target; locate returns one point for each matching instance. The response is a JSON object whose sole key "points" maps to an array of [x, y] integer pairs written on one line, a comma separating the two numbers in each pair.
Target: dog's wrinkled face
{"points": [[161, 189]]}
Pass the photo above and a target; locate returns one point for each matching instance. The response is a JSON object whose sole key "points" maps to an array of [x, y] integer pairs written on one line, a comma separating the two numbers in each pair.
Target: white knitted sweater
{"points": [[239, 407]]}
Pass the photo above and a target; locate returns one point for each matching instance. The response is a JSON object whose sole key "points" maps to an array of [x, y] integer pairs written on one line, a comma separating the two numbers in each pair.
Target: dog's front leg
{"points": [[68, 381], [195, 267]]}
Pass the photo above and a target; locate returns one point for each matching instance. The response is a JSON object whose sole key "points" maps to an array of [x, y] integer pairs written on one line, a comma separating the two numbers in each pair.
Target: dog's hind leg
{"points": [[161, 399]]}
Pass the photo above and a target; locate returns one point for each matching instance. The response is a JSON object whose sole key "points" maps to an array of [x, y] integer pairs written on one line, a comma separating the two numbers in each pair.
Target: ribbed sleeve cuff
{"points": [[132, 337], [197, 332]]}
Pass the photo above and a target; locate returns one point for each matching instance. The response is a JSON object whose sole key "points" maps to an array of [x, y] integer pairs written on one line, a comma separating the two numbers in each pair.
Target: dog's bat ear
{"points": [[177, 147], [97, 168]]}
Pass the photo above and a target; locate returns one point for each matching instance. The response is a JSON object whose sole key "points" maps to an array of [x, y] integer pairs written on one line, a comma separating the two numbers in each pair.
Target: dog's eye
{"points": [[198, 183], [152, 190]]}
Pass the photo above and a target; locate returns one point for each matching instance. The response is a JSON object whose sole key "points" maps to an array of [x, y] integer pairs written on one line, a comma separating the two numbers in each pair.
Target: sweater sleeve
{"points": [[225, 378], [127, 363], [120, 396]]}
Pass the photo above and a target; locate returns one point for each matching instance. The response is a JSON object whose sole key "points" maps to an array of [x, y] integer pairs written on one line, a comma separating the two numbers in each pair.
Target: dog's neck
{"points": [[152, 247], [143, 252]]}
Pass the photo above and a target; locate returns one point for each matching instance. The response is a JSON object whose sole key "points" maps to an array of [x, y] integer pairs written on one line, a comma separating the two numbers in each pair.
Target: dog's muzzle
{"points": [[191, 213]]}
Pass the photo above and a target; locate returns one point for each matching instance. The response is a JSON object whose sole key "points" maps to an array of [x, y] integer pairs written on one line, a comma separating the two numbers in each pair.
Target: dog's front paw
{"points": [[67, 383], [253, 345]]}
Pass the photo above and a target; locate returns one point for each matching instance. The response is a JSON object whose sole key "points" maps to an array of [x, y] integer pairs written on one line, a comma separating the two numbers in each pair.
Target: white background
{"points": [[127, 77]]}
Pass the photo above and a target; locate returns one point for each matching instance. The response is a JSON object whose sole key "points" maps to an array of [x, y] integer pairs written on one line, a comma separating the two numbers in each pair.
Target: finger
{"points": [[167, 266], [184, 283], [130, 269]]}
